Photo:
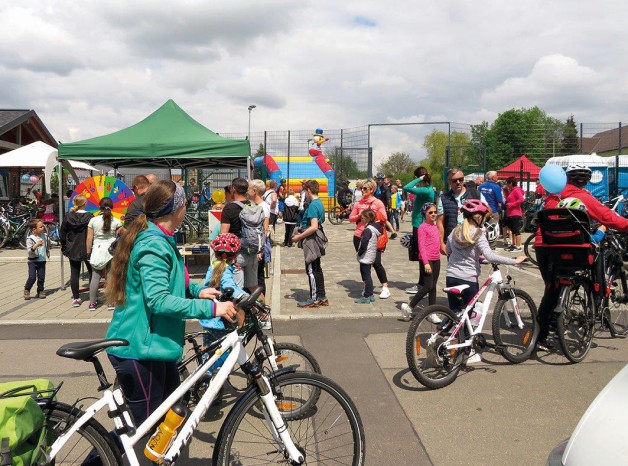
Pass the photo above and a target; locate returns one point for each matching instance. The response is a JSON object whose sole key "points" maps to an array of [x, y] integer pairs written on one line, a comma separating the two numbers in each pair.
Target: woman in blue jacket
{"points": [[150, 288]]}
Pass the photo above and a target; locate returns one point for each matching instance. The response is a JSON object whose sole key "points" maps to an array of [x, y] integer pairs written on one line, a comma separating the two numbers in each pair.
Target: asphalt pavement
{"points": [[495, 413]]}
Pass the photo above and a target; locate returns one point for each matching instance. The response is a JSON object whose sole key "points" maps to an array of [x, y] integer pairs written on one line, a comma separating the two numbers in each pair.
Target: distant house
{"points": [[19, 128], [606, 143]]}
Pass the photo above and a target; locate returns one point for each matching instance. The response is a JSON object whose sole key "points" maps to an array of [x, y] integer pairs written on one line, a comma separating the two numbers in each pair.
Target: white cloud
{"points": [[92, 67]]}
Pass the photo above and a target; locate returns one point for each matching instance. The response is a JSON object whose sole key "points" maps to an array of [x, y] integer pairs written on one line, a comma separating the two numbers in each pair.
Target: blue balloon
{"points": [[553, 178]]}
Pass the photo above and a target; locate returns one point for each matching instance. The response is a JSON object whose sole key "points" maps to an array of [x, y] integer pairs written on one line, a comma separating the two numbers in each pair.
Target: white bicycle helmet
{"points": [[406, 240], [572, 203], [492, 231], [579, 173]]}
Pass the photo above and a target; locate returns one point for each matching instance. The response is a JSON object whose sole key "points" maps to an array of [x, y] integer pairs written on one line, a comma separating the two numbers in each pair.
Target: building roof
{"points": [[20, 127], [605, 141]]}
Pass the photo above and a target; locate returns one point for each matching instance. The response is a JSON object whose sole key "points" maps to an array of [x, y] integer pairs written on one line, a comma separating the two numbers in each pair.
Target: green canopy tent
{"points": [[167, 138]]}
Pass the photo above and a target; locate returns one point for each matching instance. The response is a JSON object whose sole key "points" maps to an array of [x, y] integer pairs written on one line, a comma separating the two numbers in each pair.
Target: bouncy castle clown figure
{"points": [[317, 153]]}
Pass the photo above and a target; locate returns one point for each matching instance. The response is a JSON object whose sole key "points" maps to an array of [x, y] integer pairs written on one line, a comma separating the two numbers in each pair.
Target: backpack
{"points": [[252, 237], [22, 422], [382, 240]]}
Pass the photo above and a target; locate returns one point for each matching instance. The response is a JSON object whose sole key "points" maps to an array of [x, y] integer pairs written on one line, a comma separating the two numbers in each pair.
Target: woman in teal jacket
{"points": [[421, 187], [148, 284]]}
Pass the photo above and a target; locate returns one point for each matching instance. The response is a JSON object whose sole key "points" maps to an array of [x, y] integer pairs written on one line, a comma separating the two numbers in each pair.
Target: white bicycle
{"points": [[282, 418], [439, 340]]}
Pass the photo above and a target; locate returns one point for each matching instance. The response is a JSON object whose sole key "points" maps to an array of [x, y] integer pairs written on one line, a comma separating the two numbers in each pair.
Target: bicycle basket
{"points": [[22, 422]]}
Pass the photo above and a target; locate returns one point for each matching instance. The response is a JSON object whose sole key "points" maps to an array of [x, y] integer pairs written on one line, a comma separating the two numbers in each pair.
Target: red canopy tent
{"points": [[522, 164]]}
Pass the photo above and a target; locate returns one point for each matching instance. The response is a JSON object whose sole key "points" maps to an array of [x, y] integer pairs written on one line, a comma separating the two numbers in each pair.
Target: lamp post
{"points": [[248, 164]]}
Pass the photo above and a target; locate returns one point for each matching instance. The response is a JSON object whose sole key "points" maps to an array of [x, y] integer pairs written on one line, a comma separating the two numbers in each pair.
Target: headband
{"points": [[174, 203]]}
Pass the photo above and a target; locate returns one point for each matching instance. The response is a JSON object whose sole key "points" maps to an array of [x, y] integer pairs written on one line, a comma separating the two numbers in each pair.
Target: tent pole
{"points": [[61, 212]]}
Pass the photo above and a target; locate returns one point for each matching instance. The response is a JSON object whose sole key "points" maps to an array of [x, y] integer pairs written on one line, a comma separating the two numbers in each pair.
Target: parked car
{"points": [[600, 436]]}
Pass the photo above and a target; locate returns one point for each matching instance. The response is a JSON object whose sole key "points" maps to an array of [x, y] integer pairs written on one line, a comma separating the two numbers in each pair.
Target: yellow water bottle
{"points": [[163, 436]]}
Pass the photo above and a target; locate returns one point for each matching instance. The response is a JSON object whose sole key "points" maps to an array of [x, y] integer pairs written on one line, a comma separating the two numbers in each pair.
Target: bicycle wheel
{"points": [[575, 323], [186, 229], [431, 363], [616, 306], [91, 444], [514, 343], [528, 249], [334, 216], [330, 432], [289, 354], [52, 233], [4, 235]]}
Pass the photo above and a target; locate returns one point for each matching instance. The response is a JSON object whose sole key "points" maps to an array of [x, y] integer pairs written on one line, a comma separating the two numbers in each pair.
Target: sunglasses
{"points": [[457, 180], [433, 212], [364, 188]]}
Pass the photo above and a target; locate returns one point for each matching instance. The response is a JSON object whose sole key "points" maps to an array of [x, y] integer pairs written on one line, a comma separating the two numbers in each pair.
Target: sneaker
{"points": [[474, 358], [433, 318], [516, 249], [308, 303], [544, 345], [76, 302], [111, 307], [364, 300], [92, 306], [322, 301], [406, 312], [27, 295], [385, 293], [41, 295], [412, 290]]}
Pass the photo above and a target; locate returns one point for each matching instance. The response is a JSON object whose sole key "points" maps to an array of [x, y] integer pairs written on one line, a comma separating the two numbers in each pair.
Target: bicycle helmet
{"points": [[226, 243], [379, 176], [579, 173], [492, 231], [406, 240], [572, 203], [472, 207]]}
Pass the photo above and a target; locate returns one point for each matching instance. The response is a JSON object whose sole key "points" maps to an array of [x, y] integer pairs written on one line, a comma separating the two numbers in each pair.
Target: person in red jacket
{"points": [[577, 177]]}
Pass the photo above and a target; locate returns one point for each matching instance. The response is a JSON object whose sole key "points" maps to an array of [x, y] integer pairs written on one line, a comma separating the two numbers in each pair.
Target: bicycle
{"points": [[586, 299], [338, 214], [267, 425], [14, 226], [194, 228], [280, 355], [439, 341]]}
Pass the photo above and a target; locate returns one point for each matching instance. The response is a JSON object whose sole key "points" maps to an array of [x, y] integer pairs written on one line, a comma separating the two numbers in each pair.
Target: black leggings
{"points": [[75, 273], [427, 283], [380, 271], [145, 384]]}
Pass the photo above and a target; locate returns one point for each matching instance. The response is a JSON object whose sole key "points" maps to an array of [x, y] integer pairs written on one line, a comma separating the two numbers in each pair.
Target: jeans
{"points": [[393, 218], [427, 283], [365, 273], [36, 272]]}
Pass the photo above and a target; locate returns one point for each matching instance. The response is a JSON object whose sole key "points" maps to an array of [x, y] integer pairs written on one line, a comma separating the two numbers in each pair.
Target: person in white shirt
{"points": [[270, 197]]}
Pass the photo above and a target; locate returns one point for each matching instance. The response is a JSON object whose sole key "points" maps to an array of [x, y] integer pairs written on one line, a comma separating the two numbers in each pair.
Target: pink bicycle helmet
{"points": [[226, 243], [472, 207]]}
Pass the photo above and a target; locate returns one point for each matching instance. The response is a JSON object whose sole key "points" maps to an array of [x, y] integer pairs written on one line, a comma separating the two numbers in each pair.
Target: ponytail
{"points": [[116, 278]]}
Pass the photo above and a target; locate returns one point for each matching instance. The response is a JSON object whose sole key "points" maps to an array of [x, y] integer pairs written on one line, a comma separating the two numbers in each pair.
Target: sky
{"points": [[91, 67]]}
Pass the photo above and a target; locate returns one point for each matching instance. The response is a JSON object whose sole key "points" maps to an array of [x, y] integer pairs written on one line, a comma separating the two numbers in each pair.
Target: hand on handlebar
{"points": [[209, 293], [226, 310]]}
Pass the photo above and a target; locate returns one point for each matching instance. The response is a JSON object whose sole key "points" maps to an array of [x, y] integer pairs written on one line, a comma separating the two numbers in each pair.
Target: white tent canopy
{"points": [[590, 160], [41, 155]]}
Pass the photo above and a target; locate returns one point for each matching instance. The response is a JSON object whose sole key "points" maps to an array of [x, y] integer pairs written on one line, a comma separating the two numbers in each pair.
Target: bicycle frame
{"points": [[494, 281], [113, 401]]}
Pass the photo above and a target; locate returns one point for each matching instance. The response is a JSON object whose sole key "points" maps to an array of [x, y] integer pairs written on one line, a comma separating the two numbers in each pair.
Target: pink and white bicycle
{"points": [[440, 341]]}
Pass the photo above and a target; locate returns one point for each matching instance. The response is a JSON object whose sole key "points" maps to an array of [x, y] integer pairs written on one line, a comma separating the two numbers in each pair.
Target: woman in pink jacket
{"points": [[514, 214], [369, 201]]}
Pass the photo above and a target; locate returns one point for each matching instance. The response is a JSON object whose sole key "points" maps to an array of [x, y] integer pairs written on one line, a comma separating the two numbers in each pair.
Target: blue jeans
{"points": [[36, 272]]}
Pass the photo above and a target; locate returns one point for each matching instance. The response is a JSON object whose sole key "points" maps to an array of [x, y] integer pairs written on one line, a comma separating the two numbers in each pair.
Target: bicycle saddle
{"points": [[456, 289], [85, 350]]}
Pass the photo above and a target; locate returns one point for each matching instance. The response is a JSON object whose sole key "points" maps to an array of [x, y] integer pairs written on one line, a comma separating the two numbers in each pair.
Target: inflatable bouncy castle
{"points": [[312, 167]]}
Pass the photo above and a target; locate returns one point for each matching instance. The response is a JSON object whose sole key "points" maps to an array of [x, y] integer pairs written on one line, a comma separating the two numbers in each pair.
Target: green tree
{"points": [[344, 165], [460, 149], [261, 151], [569, 144], [396, 164]]}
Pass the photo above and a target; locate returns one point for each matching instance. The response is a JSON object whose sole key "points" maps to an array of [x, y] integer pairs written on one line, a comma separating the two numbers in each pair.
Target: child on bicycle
{"points": [[223, 273], [367, 252], [38, 254], [466, 243], [429, 260]]}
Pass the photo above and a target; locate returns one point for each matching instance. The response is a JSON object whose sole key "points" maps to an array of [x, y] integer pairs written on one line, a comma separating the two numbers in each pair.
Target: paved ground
{"points": [[495, 413]]}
